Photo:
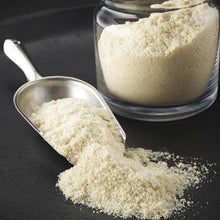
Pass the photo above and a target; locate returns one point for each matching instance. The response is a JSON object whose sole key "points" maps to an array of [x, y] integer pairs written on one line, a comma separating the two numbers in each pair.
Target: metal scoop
{"points": [[29, 97]]}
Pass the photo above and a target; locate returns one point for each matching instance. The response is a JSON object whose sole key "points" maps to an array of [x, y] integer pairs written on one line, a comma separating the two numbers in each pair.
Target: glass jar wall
{"points": [[157, 60]]}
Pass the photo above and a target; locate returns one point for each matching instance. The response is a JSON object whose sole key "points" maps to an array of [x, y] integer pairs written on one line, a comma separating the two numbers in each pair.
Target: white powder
{"points": [[70, 125], [165, 59], [105, 176]]}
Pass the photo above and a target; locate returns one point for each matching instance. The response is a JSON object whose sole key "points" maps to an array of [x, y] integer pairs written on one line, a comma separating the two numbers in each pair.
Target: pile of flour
{"points": [[164, 59], [106, 176]]}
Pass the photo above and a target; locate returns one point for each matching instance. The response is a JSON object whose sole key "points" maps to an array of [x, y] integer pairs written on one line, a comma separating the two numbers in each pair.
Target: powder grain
{"points": [[164, 59], [105, 176]]}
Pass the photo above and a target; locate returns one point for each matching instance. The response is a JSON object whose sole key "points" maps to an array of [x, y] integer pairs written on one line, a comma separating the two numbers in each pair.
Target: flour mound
{"points": [[106, 176], [123, 186]]}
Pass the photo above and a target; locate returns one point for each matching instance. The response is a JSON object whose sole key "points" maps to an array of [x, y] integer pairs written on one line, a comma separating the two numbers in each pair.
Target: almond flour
{"points": [[164, 59], [106, 176]]}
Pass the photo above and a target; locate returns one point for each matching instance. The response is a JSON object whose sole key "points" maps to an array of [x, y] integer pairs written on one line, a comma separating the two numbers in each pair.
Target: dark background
{"points": [[58, 37]]}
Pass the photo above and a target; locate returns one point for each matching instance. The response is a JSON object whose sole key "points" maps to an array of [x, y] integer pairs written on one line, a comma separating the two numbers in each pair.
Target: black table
{"points": [[60, 42]]}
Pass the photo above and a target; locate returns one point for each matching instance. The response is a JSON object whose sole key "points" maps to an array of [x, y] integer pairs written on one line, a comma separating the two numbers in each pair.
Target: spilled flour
{"points": [[106, 176]]}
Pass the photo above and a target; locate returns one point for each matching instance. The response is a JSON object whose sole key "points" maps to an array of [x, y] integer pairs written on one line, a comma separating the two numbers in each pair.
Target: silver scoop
{"points": [[29, 97]]}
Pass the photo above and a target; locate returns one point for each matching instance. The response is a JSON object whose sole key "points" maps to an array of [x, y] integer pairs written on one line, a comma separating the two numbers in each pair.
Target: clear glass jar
{"points": [[157, 62]]}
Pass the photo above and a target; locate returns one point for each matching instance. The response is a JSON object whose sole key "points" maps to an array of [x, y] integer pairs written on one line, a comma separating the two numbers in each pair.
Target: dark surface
{"points": [[61, 43]]}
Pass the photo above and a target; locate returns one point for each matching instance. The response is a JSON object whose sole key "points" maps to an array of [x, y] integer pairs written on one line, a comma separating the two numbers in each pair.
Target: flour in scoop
{"points": [[71, 125], [164, 59], [106, 176]]}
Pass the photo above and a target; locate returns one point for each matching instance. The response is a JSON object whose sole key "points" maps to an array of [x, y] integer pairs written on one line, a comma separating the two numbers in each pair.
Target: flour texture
{"points": [[106, 176], [164, 59]]}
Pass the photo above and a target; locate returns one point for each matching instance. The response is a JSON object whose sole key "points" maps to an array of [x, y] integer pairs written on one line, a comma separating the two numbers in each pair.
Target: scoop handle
{"points": [[13, 50]]}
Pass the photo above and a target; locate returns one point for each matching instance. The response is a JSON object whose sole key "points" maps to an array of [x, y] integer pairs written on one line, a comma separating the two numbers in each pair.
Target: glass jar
{"points": [[157, 60]]}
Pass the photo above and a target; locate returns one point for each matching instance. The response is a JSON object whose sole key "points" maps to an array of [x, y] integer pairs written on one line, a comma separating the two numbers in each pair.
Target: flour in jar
{"points": [[164, 59]]}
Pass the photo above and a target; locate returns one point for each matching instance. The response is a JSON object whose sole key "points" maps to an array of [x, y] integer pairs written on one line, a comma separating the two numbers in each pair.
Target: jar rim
{"points": [[143, 5]]}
